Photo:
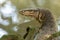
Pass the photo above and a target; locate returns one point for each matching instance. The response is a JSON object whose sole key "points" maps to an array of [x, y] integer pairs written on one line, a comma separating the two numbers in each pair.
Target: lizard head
{"points": [[30, 12]]}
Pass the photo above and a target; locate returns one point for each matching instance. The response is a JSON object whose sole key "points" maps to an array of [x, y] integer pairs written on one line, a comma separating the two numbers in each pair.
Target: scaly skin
{"points": [[45, 17]]}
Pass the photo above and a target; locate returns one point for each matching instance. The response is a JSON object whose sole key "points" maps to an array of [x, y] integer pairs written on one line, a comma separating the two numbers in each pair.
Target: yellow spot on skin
{"points": [[47, 36]]}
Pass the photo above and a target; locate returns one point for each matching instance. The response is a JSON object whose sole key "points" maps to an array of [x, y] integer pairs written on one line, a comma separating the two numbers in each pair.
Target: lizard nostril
{"points": [[21, 12]]}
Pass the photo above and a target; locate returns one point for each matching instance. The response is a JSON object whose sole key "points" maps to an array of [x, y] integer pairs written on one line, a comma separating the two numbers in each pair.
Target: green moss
{"points": [[10, 37], [54, 36]]}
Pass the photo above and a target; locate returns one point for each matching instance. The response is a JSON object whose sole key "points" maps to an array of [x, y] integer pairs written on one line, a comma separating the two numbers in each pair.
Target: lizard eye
{"points": [[23, 11]]}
